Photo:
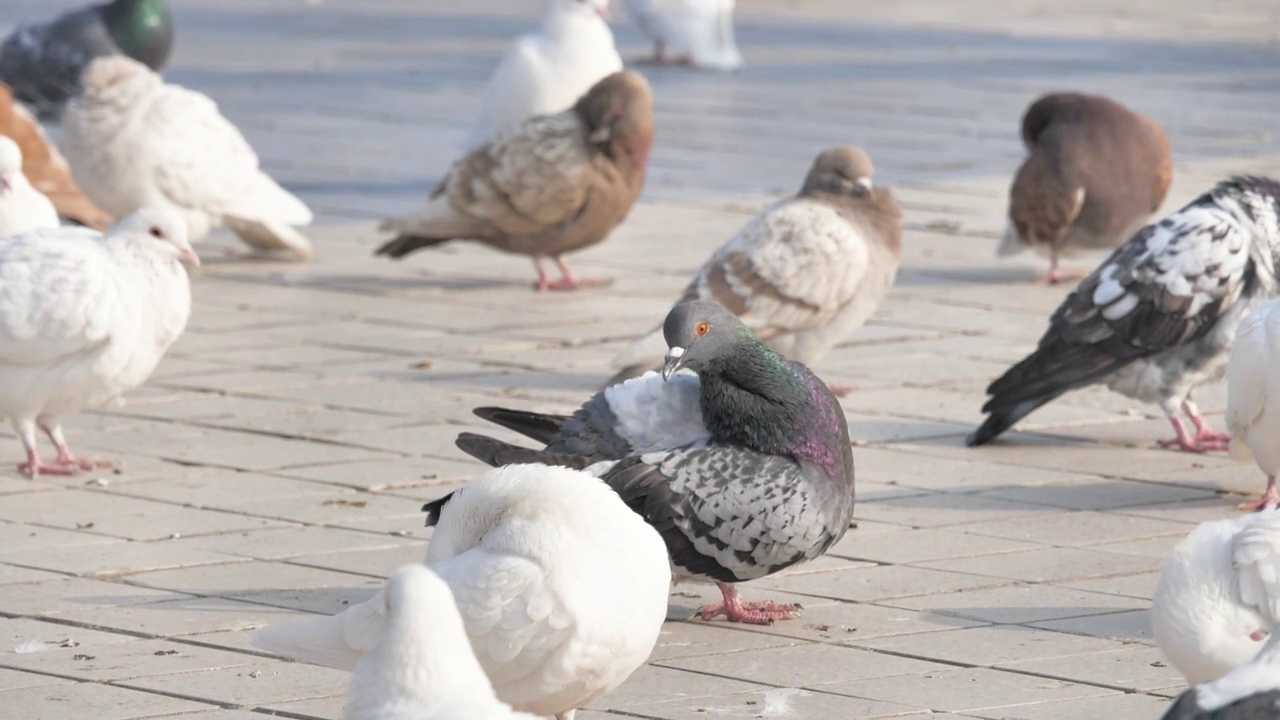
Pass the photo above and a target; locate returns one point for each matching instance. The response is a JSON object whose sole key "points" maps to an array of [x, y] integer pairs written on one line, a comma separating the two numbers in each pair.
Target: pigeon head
{"points": [[165, 228], [618, 114], [114, 76], [142, 29], [10, 164], [698, 333], [840, 171]]}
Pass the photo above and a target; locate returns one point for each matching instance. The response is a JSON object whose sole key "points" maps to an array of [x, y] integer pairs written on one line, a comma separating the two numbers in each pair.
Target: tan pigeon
{"points": [[806, 272], [551, 185], [1094, 174], [44, 166]]}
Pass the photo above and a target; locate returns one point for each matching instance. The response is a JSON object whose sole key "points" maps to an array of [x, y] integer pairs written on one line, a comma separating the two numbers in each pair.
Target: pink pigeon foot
{"points": [[35, 467], [1203, 441], [66, 458], [758, 612], [1270, 498], [567, 279]]}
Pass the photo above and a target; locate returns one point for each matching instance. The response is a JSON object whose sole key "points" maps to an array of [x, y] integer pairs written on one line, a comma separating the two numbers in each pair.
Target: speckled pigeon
{"points": [[1157, 318], [763, 481], [42, 62]]}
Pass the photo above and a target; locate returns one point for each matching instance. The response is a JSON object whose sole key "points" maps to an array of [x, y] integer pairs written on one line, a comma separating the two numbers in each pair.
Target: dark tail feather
{"points": [[537, 426], [497, 453], [433, 508], [404, 244], [1003, 419]]}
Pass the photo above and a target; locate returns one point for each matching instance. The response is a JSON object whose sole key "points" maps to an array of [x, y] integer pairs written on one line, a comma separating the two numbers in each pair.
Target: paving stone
{"points": [[990, 645], [1020, 603], [1046, 565], [803, 665], [102, 702], [15, 680], [124, 661], [966, 690], [254, 682], [1136, 667], [53, 596], [1121, 705], [779, 701]]}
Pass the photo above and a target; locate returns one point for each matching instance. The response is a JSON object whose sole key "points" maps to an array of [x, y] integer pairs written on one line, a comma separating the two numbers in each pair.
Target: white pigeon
{"points": [[85, 317], [422, 667], [22, 207], [546, 71], [133, 140], [1253, 395], [1218, 595], [689, 32], [1250, 692], [562, 589]]}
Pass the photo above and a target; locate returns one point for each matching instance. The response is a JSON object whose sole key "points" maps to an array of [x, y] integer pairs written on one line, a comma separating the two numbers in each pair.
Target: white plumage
{"points": [[1253, 395], [546, 71], [422, 666], [22, 207], [697, 32], [133, 141], [561, 587], [85, 317], [1219, 595]]}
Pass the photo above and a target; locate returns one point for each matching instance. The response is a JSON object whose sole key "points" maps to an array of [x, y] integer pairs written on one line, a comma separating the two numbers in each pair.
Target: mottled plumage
{"points": [[551, 185], [43, 62], [1157, 318], [806, 272], [763, 482], [1095, 172]]}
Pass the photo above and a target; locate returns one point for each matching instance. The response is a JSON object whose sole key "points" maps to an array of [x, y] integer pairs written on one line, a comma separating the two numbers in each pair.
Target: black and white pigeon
{"points": [[1158, 317], [761, 481], [1250, 692], [43, 62]]}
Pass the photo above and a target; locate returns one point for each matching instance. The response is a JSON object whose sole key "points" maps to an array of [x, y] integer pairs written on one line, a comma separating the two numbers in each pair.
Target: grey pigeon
{"points": [[806, 272], [43, 62], [1158, 317], [1094, 174], [1250, 692], [763, 481]]}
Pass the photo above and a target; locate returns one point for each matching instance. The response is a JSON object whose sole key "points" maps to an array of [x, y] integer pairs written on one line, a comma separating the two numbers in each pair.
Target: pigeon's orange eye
{"points": [[702, 329]]}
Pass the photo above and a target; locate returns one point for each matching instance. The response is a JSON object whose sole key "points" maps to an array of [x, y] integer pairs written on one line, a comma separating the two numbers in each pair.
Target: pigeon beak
{"points": [[188, 256], [865, 182], [674, 361]]}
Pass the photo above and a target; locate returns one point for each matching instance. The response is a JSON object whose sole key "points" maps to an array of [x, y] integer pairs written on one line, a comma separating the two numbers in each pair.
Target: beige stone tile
{"points": [[966, 690], [117, 558], [991, 645], [123, 661], [1117, 705], [1020, 603], [50, 597], [803, 665], [17, 680], [256, 682], [101, 702], [1137, 586], [174, 618], [778, 701], [881, 582], [1079, 529], [945, 509], [1137, 667], [1047, 564], [696, 639], [1134, 625], [655, 683], [908, 545]]}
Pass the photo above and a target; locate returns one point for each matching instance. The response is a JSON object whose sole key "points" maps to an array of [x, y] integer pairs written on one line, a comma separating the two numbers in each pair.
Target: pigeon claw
{"points": [[35, 468], [756, 612], [1270, 498]]}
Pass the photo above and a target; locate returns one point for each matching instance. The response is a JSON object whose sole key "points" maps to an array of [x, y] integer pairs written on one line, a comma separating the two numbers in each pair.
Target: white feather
{"points": [[562, 589], [1253, 388], [132, 141], [1218, 587], [546, 71], [84, 317], [656, 415], [700, 30], [22, 207], [422, 666]]}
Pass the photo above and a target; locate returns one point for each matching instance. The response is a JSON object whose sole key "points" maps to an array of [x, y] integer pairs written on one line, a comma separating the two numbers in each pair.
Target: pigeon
{"points": [[22, 207], [422, 666], [1218, 596], [770, 485], [1250, 692], [545, 72], [1253, 396], [689, 32], [1094, 174], [562, 589], [45, 167], [554, 184], [85, 317], [43, 63], [806, 272], [132, 140], [1157, 318]]}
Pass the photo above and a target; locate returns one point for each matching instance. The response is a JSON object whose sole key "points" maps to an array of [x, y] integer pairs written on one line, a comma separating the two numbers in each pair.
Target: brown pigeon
{"points": [[1094, 174], [551, 185], [44, 166]]}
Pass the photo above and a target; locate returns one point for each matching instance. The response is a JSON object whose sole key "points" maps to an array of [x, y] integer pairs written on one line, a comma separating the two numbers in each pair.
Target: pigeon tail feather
{"points": [[402, 245], [537, 426], [318, 640], [498, 453], [1003, 419], [271, 235]]}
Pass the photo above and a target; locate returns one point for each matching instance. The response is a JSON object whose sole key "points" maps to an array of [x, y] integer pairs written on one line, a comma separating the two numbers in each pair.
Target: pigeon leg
{"points": [[568, 281], [1053, 277], [735, 609], [1187, 442], [1205, 433], [1270, 498], [542, 284], [68, 458], [34, 466]]}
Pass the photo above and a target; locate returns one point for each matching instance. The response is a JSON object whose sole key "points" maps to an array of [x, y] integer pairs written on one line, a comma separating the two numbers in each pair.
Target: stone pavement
{"points": [[275, 463]]}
